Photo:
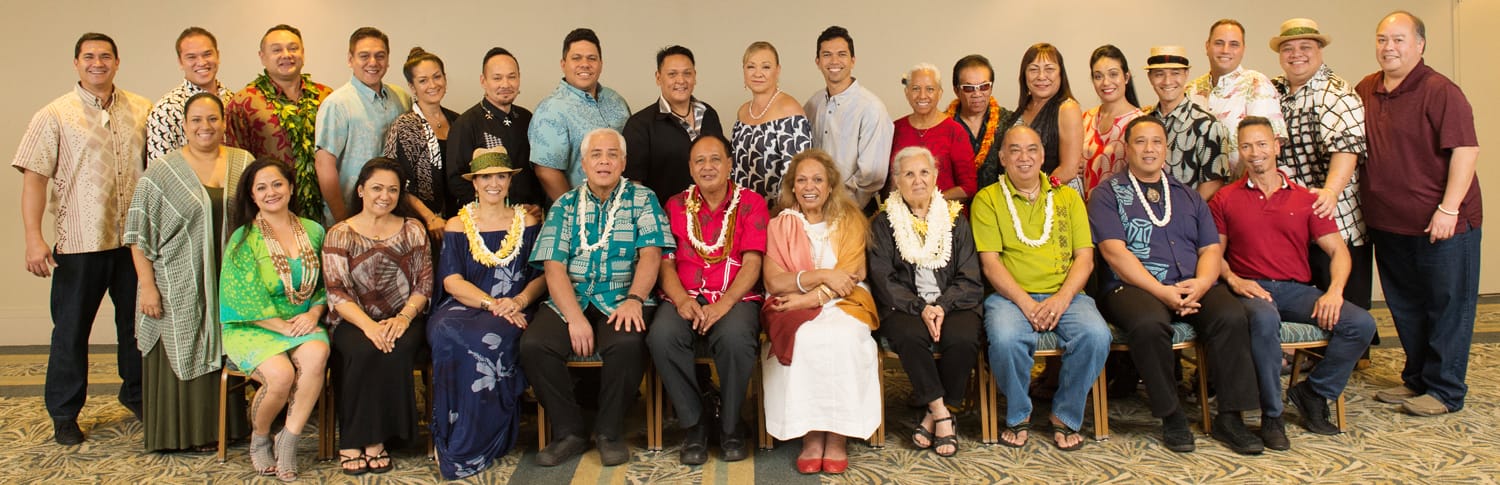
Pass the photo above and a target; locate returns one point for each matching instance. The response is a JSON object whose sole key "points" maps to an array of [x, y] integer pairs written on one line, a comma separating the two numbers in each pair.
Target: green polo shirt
{"points": [[1039, 269]]}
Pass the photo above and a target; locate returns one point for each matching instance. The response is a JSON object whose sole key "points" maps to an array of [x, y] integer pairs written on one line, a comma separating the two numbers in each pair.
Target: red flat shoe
{"points": [[835, 466], [808, 466]]}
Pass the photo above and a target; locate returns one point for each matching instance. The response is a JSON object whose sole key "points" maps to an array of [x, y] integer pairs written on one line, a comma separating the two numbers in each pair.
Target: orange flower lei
{"points": [[989, 128]]}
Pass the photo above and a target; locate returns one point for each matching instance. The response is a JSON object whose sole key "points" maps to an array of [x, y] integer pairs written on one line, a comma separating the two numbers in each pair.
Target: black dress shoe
{"points": [[135, 408], [1176, 436], [695, 446], [733, 444], [1231, 431], [1314, 409], [561, 450], [65, 431], [1273, 433], [613, 451]]}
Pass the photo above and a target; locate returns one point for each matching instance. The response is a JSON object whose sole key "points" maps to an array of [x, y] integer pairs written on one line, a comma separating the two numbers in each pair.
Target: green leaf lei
{"points": [[297, 119]]}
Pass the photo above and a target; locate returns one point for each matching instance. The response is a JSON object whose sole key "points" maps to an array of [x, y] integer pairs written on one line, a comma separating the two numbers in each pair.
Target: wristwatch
{"points": [[635, 297], [486, 303]]}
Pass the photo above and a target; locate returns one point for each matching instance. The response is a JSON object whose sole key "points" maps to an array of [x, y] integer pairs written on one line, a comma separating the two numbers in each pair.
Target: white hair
{"points": [[588, 140], [937, 78], [917, 152]]}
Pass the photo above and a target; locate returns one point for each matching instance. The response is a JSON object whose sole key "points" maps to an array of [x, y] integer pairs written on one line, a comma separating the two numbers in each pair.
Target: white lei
{"points": [[933, 252], [692, 219], [1166, 198], [1015, 218], [585, 205]]}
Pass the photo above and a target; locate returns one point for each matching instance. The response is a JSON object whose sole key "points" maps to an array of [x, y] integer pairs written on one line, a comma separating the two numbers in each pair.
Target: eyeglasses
{"points": [[969, 88]]}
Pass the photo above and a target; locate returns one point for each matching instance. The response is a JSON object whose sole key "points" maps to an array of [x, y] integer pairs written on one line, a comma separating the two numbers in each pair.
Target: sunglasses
{"points": [[969, 88]]}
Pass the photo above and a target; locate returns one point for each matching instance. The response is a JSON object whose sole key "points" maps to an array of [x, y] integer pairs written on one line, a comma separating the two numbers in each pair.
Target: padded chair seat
{"points": [[1181, 333], [1297, 333]]}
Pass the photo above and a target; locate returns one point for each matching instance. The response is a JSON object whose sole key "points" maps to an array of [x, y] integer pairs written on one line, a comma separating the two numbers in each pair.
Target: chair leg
{"points": [[327, 428], [1202, 366], [1339, 413], [223, 413], [542, 426], [653, 409], [1098, 400], [988, 404], [878, 440], [427, 393]]}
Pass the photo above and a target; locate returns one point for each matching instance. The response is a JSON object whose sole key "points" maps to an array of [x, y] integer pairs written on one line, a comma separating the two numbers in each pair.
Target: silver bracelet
{"points": [[1446, 211], [804, 290]]}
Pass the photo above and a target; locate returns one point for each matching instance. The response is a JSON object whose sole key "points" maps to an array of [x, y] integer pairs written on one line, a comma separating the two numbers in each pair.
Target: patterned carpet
{"points": [[1383, 446]]}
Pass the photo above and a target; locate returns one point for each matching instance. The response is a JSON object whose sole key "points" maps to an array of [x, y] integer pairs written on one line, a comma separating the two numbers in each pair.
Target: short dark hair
{"points": [[582, 34], [94, 37], [417, 56], [283, 28], [830, 33], [972, 60], [674, 50], [1250, 121], [193, 32], [363, 33], [711, 135], [1233, 22], [495, 51], [202, 95], [1142, 120]]}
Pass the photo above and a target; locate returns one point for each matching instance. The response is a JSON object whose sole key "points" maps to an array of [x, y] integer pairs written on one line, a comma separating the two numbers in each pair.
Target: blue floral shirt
{"points": [[1169, 253], [563, 118], [352, 123], [602, 277]]}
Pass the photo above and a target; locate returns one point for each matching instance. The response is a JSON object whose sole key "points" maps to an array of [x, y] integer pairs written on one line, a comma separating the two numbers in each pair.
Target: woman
{"points": [[979, 113], [943, 138], [926, 280], [815, 272], [271, 299], [419, 138], [1047, 106], [1104, 126], [770, 128], [176, 228], [488, 294], [379, 276]]}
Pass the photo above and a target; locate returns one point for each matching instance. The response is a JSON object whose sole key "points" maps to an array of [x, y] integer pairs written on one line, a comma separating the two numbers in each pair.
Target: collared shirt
{"points": [[659, 143], [267, 123], [1039, 269], [1268, 236], [1413, 130], [164, 125], [487, 126], [352, 124], [854, 127], [564, 117], [1169, 253], [711, 280], [1324, 117], [1239, 93], [1198, 144], [602, 277], [92, 154]]}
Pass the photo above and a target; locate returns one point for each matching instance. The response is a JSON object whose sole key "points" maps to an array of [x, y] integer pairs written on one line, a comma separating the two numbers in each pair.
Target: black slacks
{"points": [[545, 348], [931, 378]]}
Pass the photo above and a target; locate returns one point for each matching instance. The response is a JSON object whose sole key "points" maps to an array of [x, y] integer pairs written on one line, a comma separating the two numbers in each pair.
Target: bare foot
{"points": [[1064, 440], [942, 429], [918, 438]]}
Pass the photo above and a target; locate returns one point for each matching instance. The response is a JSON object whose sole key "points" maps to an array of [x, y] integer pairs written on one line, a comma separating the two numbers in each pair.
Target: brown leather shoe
{"points": [[1425, 405], [1395, 395]]}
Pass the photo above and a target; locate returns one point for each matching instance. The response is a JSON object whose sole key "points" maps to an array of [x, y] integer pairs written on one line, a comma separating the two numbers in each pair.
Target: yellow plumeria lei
{"points": [[508, 246]]}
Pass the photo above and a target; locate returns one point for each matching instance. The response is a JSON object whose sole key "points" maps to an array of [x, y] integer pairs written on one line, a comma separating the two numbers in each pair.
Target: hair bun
{"points": [[415, 52]]}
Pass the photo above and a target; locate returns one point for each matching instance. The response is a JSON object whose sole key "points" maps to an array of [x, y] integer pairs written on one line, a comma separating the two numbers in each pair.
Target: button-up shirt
{"points": [[1197, 143], [1324, 117], [855, 128], [601, 277], [564, 117], [164, 131], [352, 123], [1040, 269], [711, 280], [1239, 93], [91, 150], [1268, 236], [487, 126], [1169, 253]]}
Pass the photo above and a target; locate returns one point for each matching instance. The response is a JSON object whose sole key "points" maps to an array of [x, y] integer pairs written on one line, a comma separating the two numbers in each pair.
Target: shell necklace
{"points": [[1015, 218], [1166, 201], [585, 205]]}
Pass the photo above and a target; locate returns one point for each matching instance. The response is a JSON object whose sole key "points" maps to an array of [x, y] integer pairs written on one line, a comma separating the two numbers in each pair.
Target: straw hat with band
{"points": [[1299, 28], [489, 160], [1167, 57]]}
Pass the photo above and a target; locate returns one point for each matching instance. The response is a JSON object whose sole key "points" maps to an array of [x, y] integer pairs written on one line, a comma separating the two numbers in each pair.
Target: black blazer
{"points": [[894, 281], [656, 153]]}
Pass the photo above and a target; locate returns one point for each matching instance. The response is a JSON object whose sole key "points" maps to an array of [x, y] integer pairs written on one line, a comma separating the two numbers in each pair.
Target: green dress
{"points": [[250, 291]]}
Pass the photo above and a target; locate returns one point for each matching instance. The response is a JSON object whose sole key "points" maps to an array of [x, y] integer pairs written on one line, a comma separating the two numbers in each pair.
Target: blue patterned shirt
{"points": [[352, 123], [602, 277], [563, 118], [1169, 253]]}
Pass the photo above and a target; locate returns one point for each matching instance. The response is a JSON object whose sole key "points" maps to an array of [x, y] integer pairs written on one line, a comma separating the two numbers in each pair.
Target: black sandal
{"points": [[946, 440], [389, 463], [1067, 433], [1016, 431], [364, 464], [923, 432]]}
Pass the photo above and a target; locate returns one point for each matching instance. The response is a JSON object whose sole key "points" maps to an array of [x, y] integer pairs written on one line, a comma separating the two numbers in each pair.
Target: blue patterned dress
{"points": [[763, 153], [476, 385]]}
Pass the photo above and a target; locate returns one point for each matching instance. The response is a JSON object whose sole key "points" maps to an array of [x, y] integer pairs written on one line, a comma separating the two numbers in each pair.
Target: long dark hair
{"points": [[245, 210], [1112, 52], [1039, 51], [402, 208]]}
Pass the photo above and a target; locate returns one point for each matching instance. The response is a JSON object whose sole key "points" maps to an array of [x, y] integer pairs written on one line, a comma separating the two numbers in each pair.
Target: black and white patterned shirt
{"points": [[1197, 142], [1324, 117], [164, 124]]}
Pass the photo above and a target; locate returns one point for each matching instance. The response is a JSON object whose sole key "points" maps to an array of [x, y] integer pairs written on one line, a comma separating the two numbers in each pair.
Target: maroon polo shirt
{"points": [[1412, 131], [1268, 236]]}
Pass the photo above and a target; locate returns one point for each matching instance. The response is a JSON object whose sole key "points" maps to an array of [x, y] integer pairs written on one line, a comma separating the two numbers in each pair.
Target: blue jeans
{"points": [[1294, 302], [1432, 291], [1081, 332]]}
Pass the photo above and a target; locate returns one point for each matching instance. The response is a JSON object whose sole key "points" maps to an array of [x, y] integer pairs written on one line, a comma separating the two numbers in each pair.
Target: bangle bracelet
{"points": [[635, 297], [799, 282], [1446, 211]]}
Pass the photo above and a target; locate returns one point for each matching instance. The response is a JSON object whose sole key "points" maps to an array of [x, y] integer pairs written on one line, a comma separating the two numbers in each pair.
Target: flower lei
{"points": [[508, 246], [585, 205], [989, 128], [1015, 218], [1166, 200], [695, 231], [932, 249], [297, 119], [308, 283]]}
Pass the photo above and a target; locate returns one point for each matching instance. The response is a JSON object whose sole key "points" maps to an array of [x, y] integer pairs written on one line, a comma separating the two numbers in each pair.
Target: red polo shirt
{"points": [[1268, 237]]}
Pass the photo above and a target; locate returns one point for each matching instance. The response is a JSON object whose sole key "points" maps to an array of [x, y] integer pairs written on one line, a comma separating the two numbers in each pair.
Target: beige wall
{"points": [[890, 36]]}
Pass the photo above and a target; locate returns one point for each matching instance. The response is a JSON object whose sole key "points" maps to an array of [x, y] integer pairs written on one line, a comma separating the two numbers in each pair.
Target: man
{"points": [[978, 112], [601, 249], [578, 106], [494, 122], [662, 131], [1424, 211], [1325, 141], [274, 115], [1265, 222], [1164, 256], [1037, 253], [1196, 141], [353, 120], [1230, 91], [849, 121], [709, 294], [84, 148], [198, 57]]}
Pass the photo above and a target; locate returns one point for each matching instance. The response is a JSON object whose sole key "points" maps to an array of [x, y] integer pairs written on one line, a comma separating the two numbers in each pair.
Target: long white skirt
{"points": [[833, 383]]}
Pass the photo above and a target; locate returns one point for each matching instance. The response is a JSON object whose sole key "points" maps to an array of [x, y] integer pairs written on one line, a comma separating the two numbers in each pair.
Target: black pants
{"points": [[1358, 288], [1222, 328], [545, 348], [373, 390], [946, 378], [78, 286], [732, 341]]}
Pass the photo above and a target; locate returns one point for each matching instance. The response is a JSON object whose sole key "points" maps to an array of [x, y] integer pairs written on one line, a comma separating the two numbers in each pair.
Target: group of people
{"points": [[501, 243]]}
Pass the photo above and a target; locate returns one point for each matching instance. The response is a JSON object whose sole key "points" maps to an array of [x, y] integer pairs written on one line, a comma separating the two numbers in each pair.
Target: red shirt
{"points": [[1268, 237], [1412, 131], [949, 143], [711, 280]]}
